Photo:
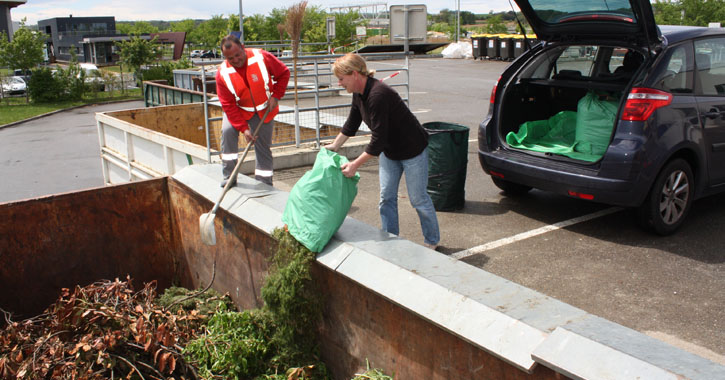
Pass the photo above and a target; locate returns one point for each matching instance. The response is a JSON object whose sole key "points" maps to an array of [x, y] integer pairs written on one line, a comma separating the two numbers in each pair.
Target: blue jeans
{"points": [[416, 180]]}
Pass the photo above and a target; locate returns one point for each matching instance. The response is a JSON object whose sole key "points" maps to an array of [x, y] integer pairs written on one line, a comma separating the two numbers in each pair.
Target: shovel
{"points": [[206, 221]]}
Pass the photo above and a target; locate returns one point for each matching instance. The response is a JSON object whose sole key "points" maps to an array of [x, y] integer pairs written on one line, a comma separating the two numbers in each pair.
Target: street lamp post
{"points": [[241, 22], [458, 19]]}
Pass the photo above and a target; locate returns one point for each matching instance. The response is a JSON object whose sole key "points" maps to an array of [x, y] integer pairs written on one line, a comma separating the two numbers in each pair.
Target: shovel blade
{"points": [[206, 227]]}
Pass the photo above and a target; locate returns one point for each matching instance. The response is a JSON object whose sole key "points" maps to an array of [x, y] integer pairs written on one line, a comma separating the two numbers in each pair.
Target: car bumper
{"points": [[563, 179]]}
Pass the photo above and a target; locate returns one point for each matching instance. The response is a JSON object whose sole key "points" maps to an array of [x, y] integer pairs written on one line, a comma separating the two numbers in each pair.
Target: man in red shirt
{"points": [[248, 82]]}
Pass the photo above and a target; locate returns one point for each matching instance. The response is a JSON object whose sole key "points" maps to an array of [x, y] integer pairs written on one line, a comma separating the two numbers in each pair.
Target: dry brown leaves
{"points": [[101, 331]]}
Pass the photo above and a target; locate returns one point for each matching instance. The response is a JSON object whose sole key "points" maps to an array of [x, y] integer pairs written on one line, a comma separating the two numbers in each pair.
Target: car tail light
{"points": [[641, 102], [495, 174], [588, 197], [493, 91]]}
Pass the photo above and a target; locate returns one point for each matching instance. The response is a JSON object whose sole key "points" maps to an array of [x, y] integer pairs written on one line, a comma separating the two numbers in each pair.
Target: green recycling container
{"points": [[447, 163]]}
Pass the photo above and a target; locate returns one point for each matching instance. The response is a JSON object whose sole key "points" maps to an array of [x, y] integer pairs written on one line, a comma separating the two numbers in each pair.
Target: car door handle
{"points": [[712, 114]]}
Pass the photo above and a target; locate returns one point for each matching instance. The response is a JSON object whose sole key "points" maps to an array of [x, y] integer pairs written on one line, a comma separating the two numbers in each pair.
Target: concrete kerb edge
{"points": [[15, 123], [492, 314]]}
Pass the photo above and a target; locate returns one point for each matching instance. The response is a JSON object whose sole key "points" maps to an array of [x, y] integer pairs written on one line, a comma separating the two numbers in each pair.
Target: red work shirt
{"points": [[278, 72]]}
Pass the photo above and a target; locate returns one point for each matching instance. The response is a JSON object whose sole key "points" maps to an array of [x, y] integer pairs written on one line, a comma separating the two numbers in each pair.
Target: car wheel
{"points": [[669, 200], [510, 188]]}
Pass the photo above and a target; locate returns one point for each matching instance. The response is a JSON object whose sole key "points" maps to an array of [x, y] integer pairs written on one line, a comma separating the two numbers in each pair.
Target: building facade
{"points": [[91, 38], [6, 23]]}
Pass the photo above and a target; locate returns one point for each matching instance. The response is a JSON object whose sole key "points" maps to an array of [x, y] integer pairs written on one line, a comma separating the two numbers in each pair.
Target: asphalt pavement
{"points": [[589, 255]]}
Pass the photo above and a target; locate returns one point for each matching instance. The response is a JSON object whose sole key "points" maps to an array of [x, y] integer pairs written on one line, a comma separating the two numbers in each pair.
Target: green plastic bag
{"points": [[594, 124], [553, 135], [319, 201]]}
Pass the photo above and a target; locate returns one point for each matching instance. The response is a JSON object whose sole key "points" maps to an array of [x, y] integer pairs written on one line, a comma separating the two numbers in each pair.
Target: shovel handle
{"points": [[239, 162]]}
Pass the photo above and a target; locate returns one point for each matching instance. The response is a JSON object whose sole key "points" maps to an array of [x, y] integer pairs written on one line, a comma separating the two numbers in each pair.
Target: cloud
{"points": [[135, 10]]}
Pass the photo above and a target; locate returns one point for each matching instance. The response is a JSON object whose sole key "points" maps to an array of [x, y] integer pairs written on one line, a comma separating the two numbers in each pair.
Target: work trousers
{"points": [[264, 168]]}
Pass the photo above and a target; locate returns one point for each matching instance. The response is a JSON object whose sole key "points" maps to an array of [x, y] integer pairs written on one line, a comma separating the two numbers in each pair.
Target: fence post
{"points": [[317, 105]]}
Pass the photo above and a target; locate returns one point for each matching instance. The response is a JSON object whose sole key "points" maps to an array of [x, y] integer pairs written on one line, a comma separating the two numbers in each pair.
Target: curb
{"points": [[14, 123]]}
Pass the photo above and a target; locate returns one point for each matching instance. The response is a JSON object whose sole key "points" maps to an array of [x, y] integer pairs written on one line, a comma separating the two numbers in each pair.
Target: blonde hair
{"points": [[350, 63]]}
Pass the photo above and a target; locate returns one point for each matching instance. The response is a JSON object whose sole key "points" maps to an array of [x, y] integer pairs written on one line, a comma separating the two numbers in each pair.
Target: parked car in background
{"points": [[196, 53], [93, 76], [210, 54], [25, 75], [611, 108], [13, 85]]}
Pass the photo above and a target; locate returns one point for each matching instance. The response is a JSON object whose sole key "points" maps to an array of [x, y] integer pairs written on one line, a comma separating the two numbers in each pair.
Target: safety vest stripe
{"points": [[226, 70], [251, 109], [259, 60], [263, 173]]}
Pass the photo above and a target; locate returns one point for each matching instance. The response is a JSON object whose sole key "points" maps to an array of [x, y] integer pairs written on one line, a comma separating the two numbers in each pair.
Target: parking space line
{"points": [[525, 235]]}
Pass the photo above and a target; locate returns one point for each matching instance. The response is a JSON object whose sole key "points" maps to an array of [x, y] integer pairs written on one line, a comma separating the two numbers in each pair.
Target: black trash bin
{"points": [[447, 163], [476, 43], [506, 48], [492, 48], [519, 46]]}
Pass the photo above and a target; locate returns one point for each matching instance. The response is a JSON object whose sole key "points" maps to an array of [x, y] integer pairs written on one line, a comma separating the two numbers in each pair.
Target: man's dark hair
{"points": [[230, 40]]}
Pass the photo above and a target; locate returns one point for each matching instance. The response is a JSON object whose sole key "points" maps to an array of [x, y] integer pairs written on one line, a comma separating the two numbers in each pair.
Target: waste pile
{"points": [[108, 330], [104, 330]]}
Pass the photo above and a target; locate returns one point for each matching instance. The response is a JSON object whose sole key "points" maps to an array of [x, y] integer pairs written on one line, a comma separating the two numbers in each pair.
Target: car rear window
{"points": [[557, 11]]}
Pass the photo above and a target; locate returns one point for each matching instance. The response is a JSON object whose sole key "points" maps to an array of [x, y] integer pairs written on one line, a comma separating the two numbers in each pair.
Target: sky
{"points": [[174, 10]]}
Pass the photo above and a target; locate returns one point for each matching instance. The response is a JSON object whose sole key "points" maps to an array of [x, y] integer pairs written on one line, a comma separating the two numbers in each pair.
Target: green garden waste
{"points": [[447, 164], [319, 201]]}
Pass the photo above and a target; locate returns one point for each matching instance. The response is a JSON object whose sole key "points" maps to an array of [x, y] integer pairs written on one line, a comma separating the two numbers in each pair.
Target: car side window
{"points": [[675, 75], [710, 63]]}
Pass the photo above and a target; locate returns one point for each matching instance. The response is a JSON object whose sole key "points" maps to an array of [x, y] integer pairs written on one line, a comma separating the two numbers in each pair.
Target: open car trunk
{"points": [[566, 102]]}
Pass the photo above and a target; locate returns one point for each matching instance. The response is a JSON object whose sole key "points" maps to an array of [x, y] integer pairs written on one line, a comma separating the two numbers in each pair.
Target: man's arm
{"points": [[279, 72]]}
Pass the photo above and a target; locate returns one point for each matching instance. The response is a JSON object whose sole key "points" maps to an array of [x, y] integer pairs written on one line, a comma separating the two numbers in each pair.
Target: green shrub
{"points": [[44, 87], [164, 70]]}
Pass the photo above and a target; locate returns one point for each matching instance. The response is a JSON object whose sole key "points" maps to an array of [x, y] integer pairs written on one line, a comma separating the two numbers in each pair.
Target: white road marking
{"points": [[422, 110], [525, 235]]}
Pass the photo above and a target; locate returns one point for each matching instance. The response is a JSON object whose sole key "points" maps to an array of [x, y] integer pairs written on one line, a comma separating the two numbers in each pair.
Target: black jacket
{"points": [[395, 130]]}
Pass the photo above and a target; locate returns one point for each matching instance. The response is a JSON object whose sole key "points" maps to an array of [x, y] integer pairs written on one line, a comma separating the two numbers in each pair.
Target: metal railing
{"points": [[318, 121]]}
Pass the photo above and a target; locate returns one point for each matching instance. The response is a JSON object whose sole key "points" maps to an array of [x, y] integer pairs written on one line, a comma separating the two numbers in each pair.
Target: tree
{"points": [[467, 18], [254, 27], [314, 26], [136, 27], [186, 26], [689, 12], [210, 32], [345, 27], [137, 52], [24, 52], [494, 24]]}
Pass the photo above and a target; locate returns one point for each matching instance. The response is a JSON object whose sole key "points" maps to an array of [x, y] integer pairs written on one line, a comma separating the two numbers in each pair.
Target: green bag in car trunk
{"points": [[594, 123], [319, 201]]}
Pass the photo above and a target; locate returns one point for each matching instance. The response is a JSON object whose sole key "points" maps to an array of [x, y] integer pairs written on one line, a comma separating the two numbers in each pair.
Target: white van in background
{"points": [[93, 76]]}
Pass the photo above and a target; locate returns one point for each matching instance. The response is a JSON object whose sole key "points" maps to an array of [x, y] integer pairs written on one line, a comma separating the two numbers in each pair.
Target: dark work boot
{"points": [[267, 180], [227, 169], [224, 182]]}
